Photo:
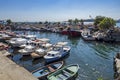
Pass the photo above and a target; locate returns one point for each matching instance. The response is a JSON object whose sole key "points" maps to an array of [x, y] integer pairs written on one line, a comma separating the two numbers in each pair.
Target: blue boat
{"points": [[57, 53], [46, 70]]}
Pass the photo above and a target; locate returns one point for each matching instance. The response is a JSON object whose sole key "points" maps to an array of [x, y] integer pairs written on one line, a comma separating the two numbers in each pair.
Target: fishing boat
{"points": [[66, 73], [56, 53], [27, 50], [46, 70], [62, 43], [38, 53], [44, 39], [46, 45], [32, 37], [72, 33], [87, 36], [4, 36], [16, 42]]}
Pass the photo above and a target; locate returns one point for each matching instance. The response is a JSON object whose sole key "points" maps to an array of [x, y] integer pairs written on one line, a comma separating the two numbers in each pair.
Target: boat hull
{"points": [[48, 60], [66, 73], [42, 72], [71, 33]]}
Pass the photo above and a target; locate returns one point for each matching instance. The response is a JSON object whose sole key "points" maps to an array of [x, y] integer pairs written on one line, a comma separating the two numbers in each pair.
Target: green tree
{"points": [[98, 19], [70, 21], [46, 22], [9, 22], [40, 22], [58, 24], [82, 22], [106, 23], [76, 21]]}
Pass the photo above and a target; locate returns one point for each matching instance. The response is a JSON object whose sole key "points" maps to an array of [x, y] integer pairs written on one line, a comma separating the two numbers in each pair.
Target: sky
{"points": [[57, 10]]}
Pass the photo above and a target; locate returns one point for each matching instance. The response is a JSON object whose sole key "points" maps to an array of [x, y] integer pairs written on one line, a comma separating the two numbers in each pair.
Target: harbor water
{"points": [[94, 58]]}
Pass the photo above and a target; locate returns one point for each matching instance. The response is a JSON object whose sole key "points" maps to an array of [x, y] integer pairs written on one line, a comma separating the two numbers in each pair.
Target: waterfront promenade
{"points": [[11, 71]]}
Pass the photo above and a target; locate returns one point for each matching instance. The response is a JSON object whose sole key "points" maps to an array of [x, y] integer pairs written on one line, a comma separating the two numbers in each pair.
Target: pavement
{"points": [[9, 70]]}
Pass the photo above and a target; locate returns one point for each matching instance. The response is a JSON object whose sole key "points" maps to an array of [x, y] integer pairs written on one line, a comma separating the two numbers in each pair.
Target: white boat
{"points": [[43, 42], [38, 53], [44, 39], [37, 42], [28, 42], [23, 45], [4, 36], [16, 42], [87, 36], [62, 43], [46, 45], [27, 50], [32, 37], [56, 53]]}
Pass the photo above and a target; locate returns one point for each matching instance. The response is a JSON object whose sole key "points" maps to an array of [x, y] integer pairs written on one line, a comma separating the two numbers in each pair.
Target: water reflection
{"points": [[95, 58], [101, 50], [74, 41]]}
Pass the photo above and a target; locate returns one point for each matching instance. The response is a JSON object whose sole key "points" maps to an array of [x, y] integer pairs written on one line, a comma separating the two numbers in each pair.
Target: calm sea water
{"points": [[94, 58]]}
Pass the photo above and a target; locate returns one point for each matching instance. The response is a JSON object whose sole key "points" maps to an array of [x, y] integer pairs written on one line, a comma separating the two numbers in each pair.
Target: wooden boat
{"points": [[46, 70], [66, 73]]}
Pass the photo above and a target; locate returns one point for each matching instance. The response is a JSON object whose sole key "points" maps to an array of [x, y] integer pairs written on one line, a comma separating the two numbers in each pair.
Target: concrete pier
{"points": [[11, 71]]}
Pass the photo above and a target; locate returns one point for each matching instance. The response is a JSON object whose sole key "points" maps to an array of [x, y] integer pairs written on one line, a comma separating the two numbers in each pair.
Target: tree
{"points": [[76, 21], [58, 24], [70, 21], [98, 19], [46, 22], [82, 22], [106, 23], [9, 22], [40, 22]]}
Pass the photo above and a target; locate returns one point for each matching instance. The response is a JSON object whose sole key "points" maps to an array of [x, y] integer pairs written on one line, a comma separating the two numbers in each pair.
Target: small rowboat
{"points": [[66, 73], [46, 70]]}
